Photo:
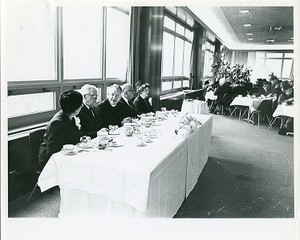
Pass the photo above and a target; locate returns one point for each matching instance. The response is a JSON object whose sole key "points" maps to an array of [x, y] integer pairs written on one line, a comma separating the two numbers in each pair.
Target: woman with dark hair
{"points": [[141, 102], [62, 128]]}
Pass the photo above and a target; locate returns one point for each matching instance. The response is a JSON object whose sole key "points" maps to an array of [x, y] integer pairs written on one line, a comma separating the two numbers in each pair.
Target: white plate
{"points": [[115, 145], [142, 145]]}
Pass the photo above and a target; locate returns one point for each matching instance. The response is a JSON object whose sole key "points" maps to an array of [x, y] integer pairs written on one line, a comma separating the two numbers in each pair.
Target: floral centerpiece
{"points": [[187, 125]]}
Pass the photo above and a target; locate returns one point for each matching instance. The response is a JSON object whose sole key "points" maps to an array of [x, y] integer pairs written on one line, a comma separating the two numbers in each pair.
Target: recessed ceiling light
{"points": [[244, 11], [249, 34], [276, 28], [247, 25], [270, 40], [250, 39]]}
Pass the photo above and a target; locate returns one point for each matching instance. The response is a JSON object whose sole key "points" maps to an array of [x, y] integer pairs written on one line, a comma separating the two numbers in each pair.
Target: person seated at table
{"points": [[224, 94], [109, 110], [265, 89], [286, 97], [126, 103], [63, 128], [276, 88], [89, 119], [142, 101]]}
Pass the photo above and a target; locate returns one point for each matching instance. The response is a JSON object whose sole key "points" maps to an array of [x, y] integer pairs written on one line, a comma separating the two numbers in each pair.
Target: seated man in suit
{"points": [[62, 128], [126, 102], [265, 90], [89, 119], [109, 110]]}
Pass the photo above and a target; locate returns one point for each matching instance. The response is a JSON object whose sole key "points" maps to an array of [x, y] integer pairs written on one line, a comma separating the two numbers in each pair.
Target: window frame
{"points": [[185, 25], [59, 84]]}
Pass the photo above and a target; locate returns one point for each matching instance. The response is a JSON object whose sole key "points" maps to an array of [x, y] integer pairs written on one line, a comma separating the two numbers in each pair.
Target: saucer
{"points": [[70, 153], [141, 145]]}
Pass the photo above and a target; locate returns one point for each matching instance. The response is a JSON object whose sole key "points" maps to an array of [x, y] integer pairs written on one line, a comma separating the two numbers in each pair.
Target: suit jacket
{"points": [[142, 105], [127, 110], [89, 124], [109, 115], [60, 130], [262, 91]]}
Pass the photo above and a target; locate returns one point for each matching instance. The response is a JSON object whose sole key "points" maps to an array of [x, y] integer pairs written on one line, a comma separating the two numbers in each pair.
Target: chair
{"points": [[274, 120], [242, 111], [35, 140], [264, 109]]}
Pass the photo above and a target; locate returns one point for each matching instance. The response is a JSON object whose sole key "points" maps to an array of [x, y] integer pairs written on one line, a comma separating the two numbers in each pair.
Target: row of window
{"points": [[64, 47]]}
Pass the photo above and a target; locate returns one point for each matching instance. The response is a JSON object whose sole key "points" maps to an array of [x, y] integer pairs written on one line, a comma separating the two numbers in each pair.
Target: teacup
{"points": [[140, 141], [102, 134], [68, 148]]}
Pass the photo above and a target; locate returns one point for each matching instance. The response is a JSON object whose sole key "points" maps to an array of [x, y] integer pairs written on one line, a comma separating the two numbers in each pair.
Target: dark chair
{"points": [[263, 110], [35, 140]]}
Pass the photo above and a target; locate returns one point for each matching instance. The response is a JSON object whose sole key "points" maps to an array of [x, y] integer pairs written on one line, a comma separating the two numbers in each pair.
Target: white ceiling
{"points": [[230, 29]]}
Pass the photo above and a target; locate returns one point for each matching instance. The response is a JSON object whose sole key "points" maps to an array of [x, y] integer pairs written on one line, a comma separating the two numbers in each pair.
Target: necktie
{"points": [[92, 111]]}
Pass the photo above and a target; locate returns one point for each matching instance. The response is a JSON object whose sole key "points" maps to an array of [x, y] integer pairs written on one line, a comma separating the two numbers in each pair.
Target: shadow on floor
{"points": [[228, 189]]}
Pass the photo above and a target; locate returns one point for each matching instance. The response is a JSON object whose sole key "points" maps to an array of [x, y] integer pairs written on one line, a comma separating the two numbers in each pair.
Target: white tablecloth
{"points": [[147, 181], [194, 106], [284, 110], [252, 103]]}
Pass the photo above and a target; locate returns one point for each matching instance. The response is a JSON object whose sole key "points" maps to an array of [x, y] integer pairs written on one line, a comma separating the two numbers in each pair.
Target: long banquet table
{"points": [[131, 181]]}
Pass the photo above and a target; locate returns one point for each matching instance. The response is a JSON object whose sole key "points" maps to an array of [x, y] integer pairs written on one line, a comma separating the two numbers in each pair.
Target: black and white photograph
{"points": [[155, 120]]}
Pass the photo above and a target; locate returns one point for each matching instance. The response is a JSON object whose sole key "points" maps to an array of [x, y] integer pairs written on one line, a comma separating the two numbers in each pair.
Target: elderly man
{"points": [[109, 110], [89, 118], [126, 102]]}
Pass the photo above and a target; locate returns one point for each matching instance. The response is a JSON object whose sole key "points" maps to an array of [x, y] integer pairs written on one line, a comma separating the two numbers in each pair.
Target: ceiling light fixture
{"points": [[250, 39], [291, 40], [277, 28], [247, 25], [270, 40], [249, 34], [244, 11]]}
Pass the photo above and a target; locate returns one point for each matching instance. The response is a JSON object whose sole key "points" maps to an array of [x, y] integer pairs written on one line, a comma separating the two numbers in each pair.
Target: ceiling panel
{"points": [[262, 20]]}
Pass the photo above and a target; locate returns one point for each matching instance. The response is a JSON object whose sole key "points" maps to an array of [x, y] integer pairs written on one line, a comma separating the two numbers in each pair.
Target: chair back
{"points": [[35, 140], [266, 107]]}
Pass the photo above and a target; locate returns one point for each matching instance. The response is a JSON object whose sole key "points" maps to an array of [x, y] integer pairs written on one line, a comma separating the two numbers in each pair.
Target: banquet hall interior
{"points": [[218, 142]]}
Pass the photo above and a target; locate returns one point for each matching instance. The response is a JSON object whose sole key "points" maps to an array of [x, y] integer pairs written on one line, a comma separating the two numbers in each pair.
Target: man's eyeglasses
{"points": [[92, 95]]}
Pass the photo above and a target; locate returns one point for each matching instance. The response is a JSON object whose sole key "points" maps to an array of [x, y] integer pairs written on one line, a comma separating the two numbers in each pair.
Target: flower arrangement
{"points": [[187, 125], [77, 122]]}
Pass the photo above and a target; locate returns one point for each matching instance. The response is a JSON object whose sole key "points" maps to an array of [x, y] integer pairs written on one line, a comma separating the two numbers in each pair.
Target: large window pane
{"points": [[179, 29], [288, 55], [188, 34], [166, 86], [20, 105], [186, 83], [178, 66], [274, 55], [273, 65], [208, 61], [287, 66], [28, 40], [117, 43], [82, 26], [168, 50], [187, 58], [260, 55], [177, 84], [169, 23]]}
